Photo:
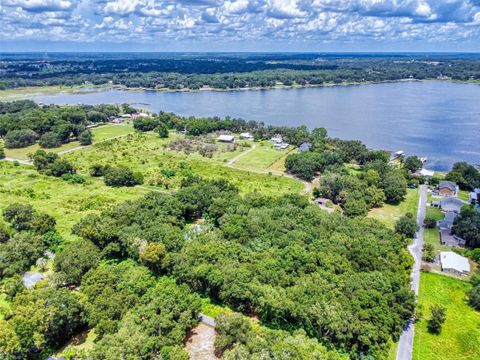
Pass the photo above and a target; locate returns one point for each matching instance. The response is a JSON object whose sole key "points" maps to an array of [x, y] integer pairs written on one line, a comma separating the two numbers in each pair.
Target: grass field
{"points": [[68, 203], [460, 336], [147, 153], [100, 133], [389, 214], [264, 157]]}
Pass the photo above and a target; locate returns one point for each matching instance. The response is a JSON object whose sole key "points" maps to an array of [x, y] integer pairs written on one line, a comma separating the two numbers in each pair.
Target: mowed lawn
{"points": [[389, 214], [460, 336], [263, 157], [68, 203], [100, 133]]}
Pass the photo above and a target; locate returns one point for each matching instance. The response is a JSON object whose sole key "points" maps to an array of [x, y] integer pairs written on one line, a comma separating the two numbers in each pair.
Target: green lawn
{"points": [[264, 157], [434, 213], [147, 153], [464, 195], [68, 203], [460, 336], [389, 214]]}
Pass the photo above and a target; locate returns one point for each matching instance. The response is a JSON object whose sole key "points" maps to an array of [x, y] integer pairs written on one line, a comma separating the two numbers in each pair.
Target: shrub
{"points": [[429, 222], [437, 319], [20, 138], [74, 178], [60, 167], [122, 176], [474, 297], [406, 225], [162, 131], [50, 140], [85, 138]]}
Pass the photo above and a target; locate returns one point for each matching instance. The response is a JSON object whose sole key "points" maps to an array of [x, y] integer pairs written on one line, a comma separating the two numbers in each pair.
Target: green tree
{"points": [[50, 140], [75, 260], [394, 187], [20, 138], [232, 329], [412, 163], [19, 215], [406, 225], [162, 131], [85, 138], [122, 176], [474, 297], [153, 256], [467, 226]]}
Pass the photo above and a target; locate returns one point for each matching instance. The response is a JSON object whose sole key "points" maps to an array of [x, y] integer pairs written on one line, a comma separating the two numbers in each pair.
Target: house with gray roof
{"points": [[447, 188], [304, 147], [451, 204]]}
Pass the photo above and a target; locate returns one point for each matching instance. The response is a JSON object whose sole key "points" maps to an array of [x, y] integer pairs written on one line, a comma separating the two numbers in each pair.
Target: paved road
{"points": [[405, 345]]}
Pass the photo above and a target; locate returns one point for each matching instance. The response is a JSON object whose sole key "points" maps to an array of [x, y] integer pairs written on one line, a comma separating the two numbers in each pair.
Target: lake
{"points": [[439, 120]]}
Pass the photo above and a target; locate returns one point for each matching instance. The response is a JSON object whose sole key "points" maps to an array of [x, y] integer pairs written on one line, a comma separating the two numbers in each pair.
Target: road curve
{"points": [[405, 344]]}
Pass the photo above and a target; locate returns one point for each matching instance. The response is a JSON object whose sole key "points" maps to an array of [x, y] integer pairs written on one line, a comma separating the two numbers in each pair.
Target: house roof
{"points": [[31, 278], [447, 184], [226, 138], [304, 147], [451, 204], [425, 172], [451, 260]]}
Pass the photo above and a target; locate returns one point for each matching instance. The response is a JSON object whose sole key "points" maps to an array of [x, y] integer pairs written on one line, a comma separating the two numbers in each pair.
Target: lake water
{"points": [[439, 120]]}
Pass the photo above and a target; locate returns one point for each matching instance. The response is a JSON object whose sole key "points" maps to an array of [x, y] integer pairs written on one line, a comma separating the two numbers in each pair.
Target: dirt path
{"points": [[201, 343], [239, 156]]}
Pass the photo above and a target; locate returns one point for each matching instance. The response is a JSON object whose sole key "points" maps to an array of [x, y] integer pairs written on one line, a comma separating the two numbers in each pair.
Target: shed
{"points": [[226, 138], [246, 136], [453, 263]]}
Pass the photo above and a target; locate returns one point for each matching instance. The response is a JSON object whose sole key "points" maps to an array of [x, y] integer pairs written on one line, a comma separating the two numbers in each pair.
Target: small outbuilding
{"points": [[426, 173], [29, 279], [447, 188], [226, 138], [453, 263]]}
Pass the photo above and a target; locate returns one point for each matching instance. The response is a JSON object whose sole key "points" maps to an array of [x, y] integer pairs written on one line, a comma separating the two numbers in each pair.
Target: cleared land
{"points": [[460, 336], [164, 168], [68, 203], [100, 133], [264, 157], [389, 214]]}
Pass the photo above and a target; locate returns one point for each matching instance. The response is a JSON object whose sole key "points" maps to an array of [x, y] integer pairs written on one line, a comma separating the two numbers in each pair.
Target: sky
{"points": [[240, 25]]}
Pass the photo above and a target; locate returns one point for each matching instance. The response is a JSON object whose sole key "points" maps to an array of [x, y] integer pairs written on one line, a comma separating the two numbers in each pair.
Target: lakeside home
{"points": [[454, 264]]}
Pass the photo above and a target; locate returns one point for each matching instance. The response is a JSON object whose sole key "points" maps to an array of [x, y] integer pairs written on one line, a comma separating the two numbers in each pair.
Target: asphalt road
{"points": [[405, 344]]}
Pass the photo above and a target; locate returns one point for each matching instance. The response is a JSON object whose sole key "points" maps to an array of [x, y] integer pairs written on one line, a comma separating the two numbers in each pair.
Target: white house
{"points": [[246, 136], [453, 263], [427, 173], [226, 138]]}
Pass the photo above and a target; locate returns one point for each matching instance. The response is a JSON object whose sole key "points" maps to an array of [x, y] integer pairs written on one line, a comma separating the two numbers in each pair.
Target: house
{"points": [[446, 238], [396, 155], [451, 204], [126, 116], [246, 136], [447, 221], [453, 263], [31, 278], [475, 196], [304, 147], [226, 138], [277, 139], [447, 188], [280, 146], [322, 204], [425, 172]]}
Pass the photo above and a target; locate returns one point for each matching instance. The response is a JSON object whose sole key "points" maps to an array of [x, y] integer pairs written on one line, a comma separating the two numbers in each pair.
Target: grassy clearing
{"points": [[434, 212], [68, 203], [213, 310], [389, 214], [464, 195], [147, 153], [460, 336], [100, 133], [263, 157]]}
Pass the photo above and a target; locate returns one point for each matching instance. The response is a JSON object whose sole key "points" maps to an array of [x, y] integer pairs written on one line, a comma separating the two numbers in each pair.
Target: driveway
{"points": [[405, 344]]}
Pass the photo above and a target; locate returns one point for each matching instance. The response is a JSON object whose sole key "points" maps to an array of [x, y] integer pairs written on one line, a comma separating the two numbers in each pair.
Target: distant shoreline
{"points": [[22, 93]]}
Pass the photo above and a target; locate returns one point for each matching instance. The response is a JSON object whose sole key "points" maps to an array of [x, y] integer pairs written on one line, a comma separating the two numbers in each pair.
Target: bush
{"points": [[122, 176], [2, 152], [162, 131], [74, 178], [429, 222], [97, 170], [20, 138], [474, 297], [61, 167], [85, 138], [50, 140], [437, 319]]}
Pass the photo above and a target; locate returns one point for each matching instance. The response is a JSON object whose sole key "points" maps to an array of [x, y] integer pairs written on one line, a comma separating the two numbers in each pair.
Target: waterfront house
{"points": [[246, 136], [447, 188], [447, 221], [454, 264]]}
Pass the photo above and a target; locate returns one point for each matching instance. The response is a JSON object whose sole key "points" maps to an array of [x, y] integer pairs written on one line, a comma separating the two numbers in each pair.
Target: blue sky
{"points": [[240, 25]]}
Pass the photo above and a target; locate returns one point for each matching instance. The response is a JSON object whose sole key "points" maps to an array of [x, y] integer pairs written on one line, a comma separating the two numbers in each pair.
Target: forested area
{"points": [[343, 282], [24, 122], [221, 71]]}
